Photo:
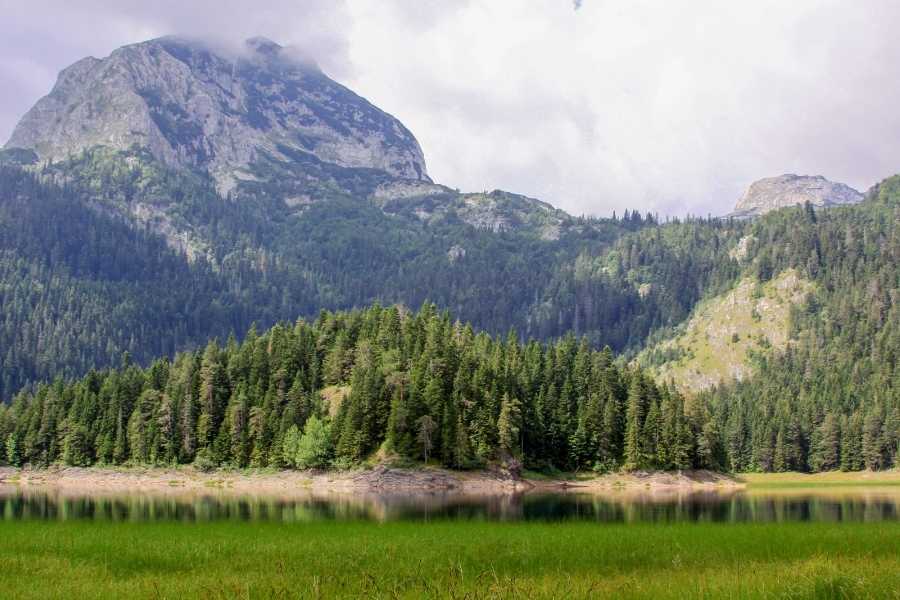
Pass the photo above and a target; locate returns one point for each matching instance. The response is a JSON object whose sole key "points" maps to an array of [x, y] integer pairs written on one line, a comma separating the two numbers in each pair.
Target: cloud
{"points": [[669, 107]]}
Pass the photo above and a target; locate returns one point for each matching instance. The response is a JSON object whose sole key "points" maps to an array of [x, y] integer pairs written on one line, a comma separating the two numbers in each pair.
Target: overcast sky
{"points": [[672, 107]]}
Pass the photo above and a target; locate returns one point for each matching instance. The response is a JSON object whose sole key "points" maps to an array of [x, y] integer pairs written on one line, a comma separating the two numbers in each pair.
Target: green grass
{"points": [[815, 481], [448, 560]]}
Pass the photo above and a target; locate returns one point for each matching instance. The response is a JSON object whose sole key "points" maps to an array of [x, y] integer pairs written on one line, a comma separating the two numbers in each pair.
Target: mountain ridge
{"points": [[192, 106]]}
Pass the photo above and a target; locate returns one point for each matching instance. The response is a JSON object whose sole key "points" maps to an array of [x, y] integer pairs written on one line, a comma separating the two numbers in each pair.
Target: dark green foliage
{"points": [[421, 386], [17, 156]]}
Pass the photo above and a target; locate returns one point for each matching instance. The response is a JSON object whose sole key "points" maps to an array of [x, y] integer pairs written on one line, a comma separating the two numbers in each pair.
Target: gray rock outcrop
{"points": [[788, 190]]}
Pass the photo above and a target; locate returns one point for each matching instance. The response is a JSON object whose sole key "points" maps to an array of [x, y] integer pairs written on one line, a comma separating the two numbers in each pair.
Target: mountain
{"points": [[172, 192], [717, 344], [239, 115], [788, 190], [780, 330]]}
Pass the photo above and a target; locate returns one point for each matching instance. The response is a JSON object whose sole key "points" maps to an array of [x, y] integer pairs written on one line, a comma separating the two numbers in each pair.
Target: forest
{"points": [[832, 399], [385, 382], [335, 391]]}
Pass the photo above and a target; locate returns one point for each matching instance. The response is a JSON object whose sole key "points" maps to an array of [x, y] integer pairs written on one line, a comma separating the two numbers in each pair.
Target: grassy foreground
{"points": [[448, 560]]}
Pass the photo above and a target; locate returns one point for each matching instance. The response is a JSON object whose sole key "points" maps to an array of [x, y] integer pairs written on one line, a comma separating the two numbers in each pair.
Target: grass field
{"points": [[816, 480], [448, 560]]}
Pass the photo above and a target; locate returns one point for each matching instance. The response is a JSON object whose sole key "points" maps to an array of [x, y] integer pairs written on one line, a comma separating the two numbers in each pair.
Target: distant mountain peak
{"points": [[195, 106], [773, 193]]}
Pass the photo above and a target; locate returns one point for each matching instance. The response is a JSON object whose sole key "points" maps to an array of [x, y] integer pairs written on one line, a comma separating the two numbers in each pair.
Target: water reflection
{"points": [[613, 507]]}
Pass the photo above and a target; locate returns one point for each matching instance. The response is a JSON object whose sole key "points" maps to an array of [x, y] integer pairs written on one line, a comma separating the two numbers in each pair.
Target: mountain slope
{"points": [[85, 279], [830, 397], [719, 342], [302, 226]]}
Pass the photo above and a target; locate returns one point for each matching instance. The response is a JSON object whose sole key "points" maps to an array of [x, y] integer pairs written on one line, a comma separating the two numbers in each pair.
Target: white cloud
{"points": [[663, 106]]}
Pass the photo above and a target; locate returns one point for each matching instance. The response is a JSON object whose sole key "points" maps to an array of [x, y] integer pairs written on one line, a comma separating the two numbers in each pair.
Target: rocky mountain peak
{"points": [[227, 113], [788, 190]]}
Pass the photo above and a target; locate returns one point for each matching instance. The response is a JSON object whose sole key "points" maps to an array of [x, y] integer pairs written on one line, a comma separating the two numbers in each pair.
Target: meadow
{"points": [[855, 557], [76, 559]]}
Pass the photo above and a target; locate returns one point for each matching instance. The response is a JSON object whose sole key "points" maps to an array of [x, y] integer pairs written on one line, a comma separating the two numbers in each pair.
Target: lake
{"points": [[733, 506]]}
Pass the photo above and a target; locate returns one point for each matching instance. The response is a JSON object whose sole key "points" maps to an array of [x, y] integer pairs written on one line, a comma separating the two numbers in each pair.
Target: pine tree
{"points": [[873, 442], [851, 443], [654, 451], [425, 437], [509, 425], [634, 420], [826, 454]]}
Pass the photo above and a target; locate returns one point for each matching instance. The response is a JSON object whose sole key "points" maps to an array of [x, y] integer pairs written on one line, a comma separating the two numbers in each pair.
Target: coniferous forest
{"points": [[422, 386], [84, 286], [334, 391], [254, 344]]}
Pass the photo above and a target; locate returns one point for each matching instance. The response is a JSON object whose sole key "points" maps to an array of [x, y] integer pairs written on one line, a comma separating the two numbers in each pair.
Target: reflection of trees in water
{"points": [[612, 507]]}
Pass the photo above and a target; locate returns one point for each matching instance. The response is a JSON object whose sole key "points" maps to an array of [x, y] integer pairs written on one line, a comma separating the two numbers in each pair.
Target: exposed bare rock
{"points": [[789, 190], [739, 252], [404, 189], [219, 111]]}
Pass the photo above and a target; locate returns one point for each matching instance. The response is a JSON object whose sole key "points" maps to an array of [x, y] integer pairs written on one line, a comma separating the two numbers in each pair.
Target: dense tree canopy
{"points": [[338, 390]]}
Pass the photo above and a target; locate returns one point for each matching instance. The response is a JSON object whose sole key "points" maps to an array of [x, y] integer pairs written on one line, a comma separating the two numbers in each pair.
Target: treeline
{"points": [[385, 381], [349, 385]]}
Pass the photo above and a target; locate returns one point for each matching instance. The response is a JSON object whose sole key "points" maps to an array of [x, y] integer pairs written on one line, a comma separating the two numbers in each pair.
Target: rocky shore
{"points": [[380, 479]]}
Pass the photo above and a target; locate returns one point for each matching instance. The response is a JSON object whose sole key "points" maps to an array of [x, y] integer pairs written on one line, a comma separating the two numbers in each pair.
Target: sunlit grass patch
{"points": [[448, 559]]}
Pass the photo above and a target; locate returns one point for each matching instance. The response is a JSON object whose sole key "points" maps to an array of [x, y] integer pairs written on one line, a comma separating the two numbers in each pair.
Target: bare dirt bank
{"points": [[381, 479], [657, 480]]}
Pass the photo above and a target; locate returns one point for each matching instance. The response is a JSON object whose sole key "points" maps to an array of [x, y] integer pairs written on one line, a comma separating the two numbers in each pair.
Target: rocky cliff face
{"points": [[265, 126], [788, 190], [223, 112]]}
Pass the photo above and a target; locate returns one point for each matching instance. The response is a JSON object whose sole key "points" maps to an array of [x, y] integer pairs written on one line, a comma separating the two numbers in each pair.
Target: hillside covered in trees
{"points": [[832, 398], [111, 247], [82, 279], [421, 386]]}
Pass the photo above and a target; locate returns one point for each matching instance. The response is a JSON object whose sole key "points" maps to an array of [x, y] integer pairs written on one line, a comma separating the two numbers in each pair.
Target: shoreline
{"points": [[378, 480]]}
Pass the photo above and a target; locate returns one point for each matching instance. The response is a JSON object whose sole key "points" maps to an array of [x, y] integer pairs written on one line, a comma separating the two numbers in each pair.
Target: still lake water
{"points": [[853, 505]]}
